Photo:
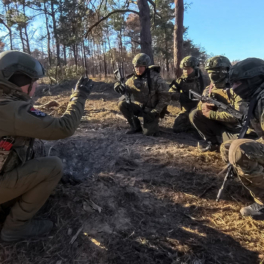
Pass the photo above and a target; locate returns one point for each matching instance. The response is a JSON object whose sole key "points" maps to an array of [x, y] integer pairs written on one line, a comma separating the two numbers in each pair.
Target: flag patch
{"points": [[36, 112]]}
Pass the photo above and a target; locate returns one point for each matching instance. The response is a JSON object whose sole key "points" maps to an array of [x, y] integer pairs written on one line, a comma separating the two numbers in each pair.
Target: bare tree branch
{"points": [[107, 16], [155, 10]]}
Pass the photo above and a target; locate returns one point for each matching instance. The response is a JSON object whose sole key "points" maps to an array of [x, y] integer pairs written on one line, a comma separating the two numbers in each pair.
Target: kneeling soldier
{"points": [[214, 125], [191, 79], [150, 94], [246, 155], [27, 182]]}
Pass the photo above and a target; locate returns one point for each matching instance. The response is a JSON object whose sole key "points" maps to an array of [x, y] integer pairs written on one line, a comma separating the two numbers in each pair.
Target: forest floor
{"points": [[141, 199]]}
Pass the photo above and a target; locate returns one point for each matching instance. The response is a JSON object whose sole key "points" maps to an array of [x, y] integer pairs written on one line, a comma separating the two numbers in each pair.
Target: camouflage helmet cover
{"points": [[16, 61], [247, 69], [217, 62], [189, 61], [141, 59]]}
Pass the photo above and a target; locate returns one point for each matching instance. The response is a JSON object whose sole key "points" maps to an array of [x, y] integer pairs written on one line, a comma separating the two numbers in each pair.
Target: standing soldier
{"points": [[246, 155], [150, 94], [214, 125], [191, 79], [27, 182]]}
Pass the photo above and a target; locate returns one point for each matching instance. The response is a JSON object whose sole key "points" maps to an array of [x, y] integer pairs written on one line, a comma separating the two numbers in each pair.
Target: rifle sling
{"points": [[249, 115], [149, 88]]}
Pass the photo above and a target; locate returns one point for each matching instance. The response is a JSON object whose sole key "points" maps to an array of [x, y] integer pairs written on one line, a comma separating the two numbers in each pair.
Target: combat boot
{"points": [[33, 228], [254, 209], [134, 131], [135, 126], [209, 147]]}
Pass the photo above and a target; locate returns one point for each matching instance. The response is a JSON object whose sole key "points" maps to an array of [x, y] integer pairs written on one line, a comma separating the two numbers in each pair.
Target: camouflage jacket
{"points": [[23, 123], [181, 88], [257, 120], [226, 97], [154, 97]]}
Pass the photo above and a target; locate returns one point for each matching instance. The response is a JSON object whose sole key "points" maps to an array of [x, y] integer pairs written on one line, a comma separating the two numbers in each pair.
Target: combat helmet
{"points": [[189, 61], [141, 59], [247, 69], [217, 62], [14, 61], [249, 75]]}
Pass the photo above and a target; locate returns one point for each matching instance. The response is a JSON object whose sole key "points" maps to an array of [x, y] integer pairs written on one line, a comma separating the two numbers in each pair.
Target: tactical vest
{"points": [[143, 90], [257, 121], [22, 147], [190, 83]]}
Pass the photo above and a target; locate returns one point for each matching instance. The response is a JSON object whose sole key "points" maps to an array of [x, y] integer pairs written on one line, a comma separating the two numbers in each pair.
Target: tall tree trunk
{"points": [[25, 29], [65, 55], [55, 34], [21, 38], [105, 64], [178, 36], [145, 34], [85, 59], [48, 33], [8, 28], [167, 53], [75, 51]]}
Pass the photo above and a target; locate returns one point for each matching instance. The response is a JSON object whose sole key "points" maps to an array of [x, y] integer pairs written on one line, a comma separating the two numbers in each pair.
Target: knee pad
{"points": [[244, 155], [224, 150]]}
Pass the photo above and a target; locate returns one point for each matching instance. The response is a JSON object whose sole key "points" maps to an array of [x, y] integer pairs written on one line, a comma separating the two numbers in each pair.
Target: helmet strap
{"points": [[30, 87]]}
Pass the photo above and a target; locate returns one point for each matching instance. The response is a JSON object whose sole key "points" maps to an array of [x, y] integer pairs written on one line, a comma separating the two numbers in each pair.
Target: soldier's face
{"points": [[26, 87], [187, 71], [140, 70]]}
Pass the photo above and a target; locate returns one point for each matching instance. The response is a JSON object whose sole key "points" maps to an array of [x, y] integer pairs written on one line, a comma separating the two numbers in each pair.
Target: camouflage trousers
{"points": [[182, 122], [27, 188], [247, 158], [211, 130], [131, 112]]}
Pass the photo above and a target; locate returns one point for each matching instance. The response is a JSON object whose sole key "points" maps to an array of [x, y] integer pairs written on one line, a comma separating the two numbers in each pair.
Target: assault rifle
{"points": [[245, 121], [227, 108], [119, 74]]}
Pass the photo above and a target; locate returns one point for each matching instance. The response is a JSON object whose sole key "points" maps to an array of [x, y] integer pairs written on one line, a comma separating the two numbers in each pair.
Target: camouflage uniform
{"points": [[247, 156], [149, 95], [219, 126], [24, 178], [181, 87]]}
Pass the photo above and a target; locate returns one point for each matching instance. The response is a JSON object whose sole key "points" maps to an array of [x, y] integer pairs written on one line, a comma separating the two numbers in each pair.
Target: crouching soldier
{"points": [[214, 125], [149, 95], [247, 155], [191, 79], [27, 182]]}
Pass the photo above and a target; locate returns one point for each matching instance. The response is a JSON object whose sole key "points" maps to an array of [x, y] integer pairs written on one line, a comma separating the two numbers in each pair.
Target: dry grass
{"points": [[148, 200]]}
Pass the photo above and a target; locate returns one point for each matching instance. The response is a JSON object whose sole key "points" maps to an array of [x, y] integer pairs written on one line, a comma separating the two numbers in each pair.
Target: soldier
{"points": [[216, 126], [150, 94], [191, 79], [247, 155], [27, 182]]}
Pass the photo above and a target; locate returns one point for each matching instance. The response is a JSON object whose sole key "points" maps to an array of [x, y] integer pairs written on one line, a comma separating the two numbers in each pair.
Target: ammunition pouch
{"points": [[4, 156]]}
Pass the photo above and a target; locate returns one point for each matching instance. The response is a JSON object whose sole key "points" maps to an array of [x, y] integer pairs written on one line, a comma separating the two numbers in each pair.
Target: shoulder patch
{"points": [[36, 112]]}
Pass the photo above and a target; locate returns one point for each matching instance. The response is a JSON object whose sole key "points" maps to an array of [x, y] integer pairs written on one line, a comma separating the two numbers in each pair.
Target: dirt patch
{"points": [[141, 200]]}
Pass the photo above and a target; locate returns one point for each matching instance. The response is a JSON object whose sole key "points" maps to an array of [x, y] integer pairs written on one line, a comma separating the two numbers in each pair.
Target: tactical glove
{"points": [[85, 85], [151, 116], [119, 88]]}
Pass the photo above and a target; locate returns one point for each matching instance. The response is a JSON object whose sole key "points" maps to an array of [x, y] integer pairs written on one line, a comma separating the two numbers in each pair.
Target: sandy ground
{"points": [[136, 199]]}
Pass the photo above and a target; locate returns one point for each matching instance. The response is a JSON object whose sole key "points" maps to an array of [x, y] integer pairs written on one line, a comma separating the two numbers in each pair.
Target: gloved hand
{"points": [[151, 116], [85, 85], [119, 88]]}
